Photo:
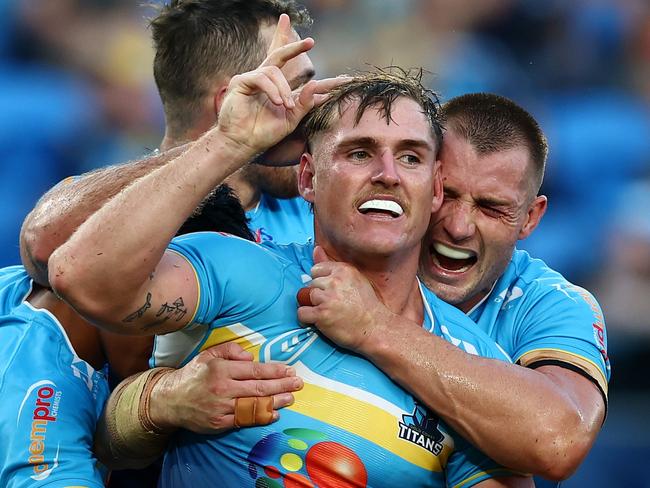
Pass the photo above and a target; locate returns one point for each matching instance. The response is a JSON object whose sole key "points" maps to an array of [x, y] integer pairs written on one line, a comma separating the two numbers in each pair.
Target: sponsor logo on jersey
{"points": [[421, 428], [288, 347], [42, 402]]}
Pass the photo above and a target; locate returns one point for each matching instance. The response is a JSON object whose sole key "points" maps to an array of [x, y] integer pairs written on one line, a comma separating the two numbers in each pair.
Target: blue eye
{"points": [[359, 155], [410, 159]]}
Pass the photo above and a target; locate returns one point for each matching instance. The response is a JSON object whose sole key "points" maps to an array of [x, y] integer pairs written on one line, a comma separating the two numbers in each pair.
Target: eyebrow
{"points": [[302, 78], [487, 201], [373, 142]]}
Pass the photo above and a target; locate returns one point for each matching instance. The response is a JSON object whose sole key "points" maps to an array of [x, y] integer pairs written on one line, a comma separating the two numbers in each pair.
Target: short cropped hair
{"points": [[220, 211], [197, 42], [377, 89], [492, 123]]}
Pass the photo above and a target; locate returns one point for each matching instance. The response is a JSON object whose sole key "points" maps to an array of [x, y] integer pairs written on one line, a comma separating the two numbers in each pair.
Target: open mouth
{"points": [[452, 259], [382, 207]]}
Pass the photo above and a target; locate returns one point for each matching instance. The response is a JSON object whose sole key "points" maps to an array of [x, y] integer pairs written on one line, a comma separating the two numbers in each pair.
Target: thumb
{"points": [[320, 256], [230, 351]]}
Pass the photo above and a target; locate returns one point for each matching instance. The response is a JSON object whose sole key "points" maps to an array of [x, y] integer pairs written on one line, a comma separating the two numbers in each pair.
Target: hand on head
{"points": [[260, 108]]}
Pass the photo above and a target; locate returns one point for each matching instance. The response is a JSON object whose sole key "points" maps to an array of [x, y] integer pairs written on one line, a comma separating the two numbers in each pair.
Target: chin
{"points": [[277, 182]]}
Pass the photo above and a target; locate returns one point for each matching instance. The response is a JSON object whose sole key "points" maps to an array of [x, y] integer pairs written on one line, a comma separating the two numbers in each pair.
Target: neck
{"points": [[248, 194], [393, 277]]}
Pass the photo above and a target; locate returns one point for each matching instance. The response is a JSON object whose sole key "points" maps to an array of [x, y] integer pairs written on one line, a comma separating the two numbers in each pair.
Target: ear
{"points": [[306, 177], [219, 95], [438, 192], [536, 211]]}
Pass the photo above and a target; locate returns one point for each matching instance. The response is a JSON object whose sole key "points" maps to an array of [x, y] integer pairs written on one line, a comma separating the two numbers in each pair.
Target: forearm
{"points": [[66, 206], [111, 256], [125, 436], [517, 416]]}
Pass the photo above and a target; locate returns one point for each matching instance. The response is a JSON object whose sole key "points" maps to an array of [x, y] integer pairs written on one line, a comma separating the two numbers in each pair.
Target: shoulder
{"points": [[227, 250], [456, 327], [529, 283], [15, 287]]}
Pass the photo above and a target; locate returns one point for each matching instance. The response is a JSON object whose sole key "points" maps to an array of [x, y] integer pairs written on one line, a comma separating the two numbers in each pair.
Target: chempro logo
{"points": [[42, 402]]}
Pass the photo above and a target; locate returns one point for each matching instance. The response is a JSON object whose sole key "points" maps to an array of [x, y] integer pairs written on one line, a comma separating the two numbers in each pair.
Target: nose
{"points": [[458, 219], [386, 172]]}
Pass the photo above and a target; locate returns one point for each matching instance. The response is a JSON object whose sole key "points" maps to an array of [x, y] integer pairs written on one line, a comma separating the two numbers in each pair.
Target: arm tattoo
{"points": [[175, 311], [140, 312]]}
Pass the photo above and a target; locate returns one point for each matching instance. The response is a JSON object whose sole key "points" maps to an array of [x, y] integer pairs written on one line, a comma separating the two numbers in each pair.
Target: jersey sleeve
{"points": [[461, 331], [47, 422], [565, 326], [236, 278], [467, 466]]}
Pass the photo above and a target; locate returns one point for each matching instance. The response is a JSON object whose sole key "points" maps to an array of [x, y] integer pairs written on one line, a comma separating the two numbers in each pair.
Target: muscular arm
{"points": [[541, 421], [66, 206], [115, 269]]}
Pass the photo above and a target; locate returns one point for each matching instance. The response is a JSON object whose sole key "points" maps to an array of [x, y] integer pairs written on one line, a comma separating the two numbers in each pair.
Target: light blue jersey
{"points": [[15, 287], [540, 318], [51, 399], [281, 221], [350, 425]]}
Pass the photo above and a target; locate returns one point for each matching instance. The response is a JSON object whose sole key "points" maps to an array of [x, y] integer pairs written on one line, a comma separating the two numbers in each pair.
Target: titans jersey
{"points": [[281, 221], [15, 287], [51, 399], [539, 318], [349, 426]]}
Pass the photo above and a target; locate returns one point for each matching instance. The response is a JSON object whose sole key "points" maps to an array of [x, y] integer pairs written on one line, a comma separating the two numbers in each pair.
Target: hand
{"points": [[200, 396], [259, 108], [344, 305]]}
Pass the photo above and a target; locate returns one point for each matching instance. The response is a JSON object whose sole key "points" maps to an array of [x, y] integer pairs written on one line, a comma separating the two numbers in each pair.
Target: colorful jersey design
{"points": [[350, 425], [51, 399], [539, 317], [281, 221]]}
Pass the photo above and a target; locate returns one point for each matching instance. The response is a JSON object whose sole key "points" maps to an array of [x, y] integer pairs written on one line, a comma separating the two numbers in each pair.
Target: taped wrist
{"points": [[133, 435]]}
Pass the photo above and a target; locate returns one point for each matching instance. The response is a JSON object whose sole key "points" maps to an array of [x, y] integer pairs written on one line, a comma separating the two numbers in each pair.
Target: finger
{"points": [[253, 388], [277, 77], [253, 370], [308, 93], [258, 81], [281, 34], [253, 411], [230, 350], [228, 422], [282, 400], [318, 296], [304, 297], [321, 270], [307, 315], [280, 56], [320, 256]]}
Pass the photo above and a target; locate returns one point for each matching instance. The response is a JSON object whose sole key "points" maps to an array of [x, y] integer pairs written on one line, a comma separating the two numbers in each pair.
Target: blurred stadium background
{"points": [[76, 92]]}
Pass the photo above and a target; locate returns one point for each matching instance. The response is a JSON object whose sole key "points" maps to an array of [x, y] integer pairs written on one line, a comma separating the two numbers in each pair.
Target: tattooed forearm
{"points": [[140, 312]]}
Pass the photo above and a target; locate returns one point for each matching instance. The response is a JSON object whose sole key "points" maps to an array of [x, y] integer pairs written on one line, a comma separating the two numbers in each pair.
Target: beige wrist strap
{"points": [[133, 435]]}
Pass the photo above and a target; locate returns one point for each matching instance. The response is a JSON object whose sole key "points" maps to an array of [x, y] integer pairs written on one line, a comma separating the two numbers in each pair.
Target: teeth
{"points": [[451, 252], [383, 205]]}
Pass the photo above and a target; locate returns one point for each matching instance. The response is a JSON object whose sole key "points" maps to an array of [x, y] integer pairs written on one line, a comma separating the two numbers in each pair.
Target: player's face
{"points": [[373, 182], [274, 176], [488, 205]]}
